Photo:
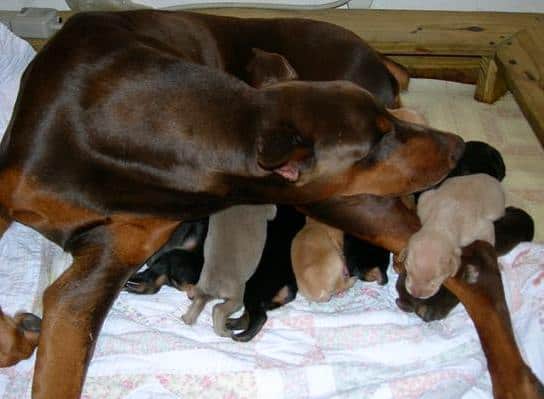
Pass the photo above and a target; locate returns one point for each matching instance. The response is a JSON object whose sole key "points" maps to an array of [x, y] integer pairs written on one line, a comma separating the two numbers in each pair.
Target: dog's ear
{"points": [[283, 151], [265, 69]]}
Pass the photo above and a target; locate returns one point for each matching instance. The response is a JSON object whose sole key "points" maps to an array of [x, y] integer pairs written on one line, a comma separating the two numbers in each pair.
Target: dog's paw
{"points": [[28, 322]]}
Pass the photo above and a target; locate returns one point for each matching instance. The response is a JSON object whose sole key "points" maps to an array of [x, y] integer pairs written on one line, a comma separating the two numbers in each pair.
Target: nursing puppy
{"points": [[232, 250], [366, 261], [318, 261], [514, 227], [177, 264], [273, 284], [457, 213]]}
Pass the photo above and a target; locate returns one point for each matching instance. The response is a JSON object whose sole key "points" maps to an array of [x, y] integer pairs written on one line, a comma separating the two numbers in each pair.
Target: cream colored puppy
{"points": [[232, 251], [457, 213], [318, 261]]}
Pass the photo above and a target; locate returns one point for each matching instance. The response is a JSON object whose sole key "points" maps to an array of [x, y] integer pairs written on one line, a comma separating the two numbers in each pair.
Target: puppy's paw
{"points": [[240, 323], [430, 313], [146, 283], [222, 331], [405, 306], [187, 319]]}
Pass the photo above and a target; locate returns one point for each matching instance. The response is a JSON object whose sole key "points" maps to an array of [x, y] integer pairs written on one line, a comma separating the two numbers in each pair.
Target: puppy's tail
{"points": [[256, 323]]}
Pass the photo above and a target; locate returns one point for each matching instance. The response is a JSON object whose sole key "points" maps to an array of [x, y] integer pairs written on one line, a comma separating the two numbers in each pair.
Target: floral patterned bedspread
{"points": [[359, 345]]}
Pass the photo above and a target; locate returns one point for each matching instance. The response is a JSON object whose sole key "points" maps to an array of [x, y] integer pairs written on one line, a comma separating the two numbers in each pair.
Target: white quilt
{"points": [[359, 345]]}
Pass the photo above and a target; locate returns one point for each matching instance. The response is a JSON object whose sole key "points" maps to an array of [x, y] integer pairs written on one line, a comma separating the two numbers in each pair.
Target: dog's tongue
{"points": [[289, 171]]}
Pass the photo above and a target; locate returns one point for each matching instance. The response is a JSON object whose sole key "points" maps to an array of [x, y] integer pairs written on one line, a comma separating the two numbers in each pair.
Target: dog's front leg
{"points": [[383, 221], [479, 287], [76, 304]]}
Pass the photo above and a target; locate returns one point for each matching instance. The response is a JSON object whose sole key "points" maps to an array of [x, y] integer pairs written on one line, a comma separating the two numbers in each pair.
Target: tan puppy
{"points": [[232, 250], [318, 262], [459, 212]]}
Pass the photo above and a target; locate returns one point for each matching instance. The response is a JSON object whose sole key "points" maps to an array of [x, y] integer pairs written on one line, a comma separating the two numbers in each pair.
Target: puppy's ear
{"points": [[283, 151], [265, 69], [423, 204], [455, 261]]}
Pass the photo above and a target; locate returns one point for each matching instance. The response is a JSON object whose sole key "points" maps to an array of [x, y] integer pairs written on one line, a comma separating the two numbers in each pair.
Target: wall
{"points": [[462, 5]]}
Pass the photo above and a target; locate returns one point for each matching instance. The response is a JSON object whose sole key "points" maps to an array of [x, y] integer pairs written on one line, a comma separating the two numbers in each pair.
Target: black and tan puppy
{"points": [[273, 283], [366, 261], [178, 264]]}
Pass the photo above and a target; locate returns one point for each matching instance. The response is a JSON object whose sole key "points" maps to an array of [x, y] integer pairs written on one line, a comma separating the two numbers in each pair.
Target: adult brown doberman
{"points": [[125, 126]]}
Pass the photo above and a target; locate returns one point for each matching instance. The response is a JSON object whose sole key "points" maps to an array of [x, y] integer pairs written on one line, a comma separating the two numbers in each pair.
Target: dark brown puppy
{"points": [[479, 287], [122, 131]]}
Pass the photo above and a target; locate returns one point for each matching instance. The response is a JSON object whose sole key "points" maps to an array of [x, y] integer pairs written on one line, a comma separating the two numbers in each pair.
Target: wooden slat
{"points": [[521, 60], [454, 69], [396, 32], [414, 32], [490, 85]]}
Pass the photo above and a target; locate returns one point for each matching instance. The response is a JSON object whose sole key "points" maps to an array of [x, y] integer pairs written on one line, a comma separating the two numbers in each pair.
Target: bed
{"points": [[358, 345]]}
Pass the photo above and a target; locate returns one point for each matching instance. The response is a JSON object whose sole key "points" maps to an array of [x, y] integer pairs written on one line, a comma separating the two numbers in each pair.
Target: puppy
{"points": [[457, 213], [480, 157], [318, 262], [273, 283], [232, 250], [178, 264], [366, 261], [514, 227]]}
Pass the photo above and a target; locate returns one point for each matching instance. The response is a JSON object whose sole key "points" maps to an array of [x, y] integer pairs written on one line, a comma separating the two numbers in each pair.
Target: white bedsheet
{"points": [[359, 345]]}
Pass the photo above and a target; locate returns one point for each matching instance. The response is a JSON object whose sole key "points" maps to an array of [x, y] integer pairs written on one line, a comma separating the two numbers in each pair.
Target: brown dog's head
{"points": [[336, 135]]}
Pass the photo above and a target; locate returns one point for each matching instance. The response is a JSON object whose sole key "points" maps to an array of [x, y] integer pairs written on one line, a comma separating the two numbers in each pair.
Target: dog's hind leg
{"points": [[77, 303], [221, 312]]}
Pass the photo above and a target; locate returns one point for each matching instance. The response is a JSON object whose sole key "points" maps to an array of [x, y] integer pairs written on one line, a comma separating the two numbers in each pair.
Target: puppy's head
{"points": [[265, 68], [320, 285], [480, 157], [430, 260], [335, 134]]}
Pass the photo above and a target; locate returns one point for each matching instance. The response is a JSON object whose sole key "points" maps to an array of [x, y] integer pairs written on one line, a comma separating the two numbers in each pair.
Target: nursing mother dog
{"points": [[118, 137]]}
